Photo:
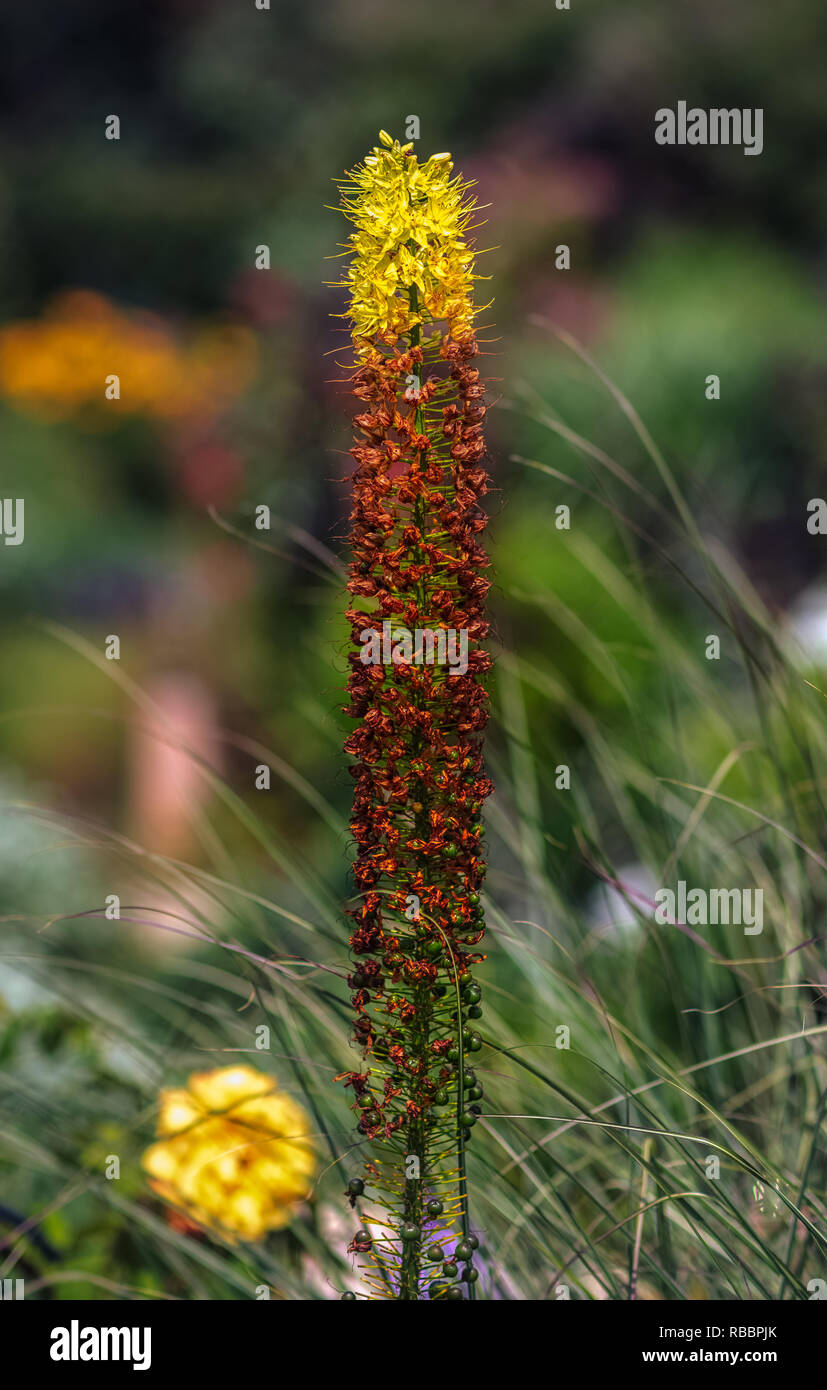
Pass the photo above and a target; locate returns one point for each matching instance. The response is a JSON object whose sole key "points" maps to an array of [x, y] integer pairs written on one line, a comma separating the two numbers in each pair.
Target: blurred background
{"points": [[141, 257]]}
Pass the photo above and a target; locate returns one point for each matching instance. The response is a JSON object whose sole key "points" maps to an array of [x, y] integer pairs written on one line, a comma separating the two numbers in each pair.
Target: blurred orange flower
{"points": [[58, 365]]}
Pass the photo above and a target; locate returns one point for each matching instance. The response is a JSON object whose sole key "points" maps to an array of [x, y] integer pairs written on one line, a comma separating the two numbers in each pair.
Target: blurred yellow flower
{"points": [[234, 1152], [58, 365]]}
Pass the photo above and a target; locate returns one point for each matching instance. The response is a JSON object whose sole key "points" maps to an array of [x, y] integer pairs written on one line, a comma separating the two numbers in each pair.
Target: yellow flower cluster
{"points": [[234, 1152], [59, 365], [410, 223]]}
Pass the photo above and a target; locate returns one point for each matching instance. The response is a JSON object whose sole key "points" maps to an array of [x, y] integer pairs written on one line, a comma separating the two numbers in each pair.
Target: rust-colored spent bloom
{"points": [[417, 614], [234, 1152]]}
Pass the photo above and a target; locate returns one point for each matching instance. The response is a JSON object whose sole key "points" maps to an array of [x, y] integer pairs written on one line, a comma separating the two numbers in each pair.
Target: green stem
{"points": [[416, 1134], [463, 1177]]}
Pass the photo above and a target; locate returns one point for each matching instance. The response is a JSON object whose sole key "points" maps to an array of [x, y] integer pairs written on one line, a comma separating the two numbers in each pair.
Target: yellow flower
{"points": [[233, 1152], [411, 263]]}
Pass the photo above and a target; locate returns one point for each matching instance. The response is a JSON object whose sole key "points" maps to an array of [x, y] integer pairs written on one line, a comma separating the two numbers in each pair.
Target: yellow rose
{"points": [[234, 1152]]}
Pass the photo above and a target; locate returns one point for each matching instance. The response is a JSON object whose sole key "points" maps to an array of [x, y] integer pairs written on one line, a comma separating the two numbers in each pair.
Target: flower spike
{"points": [[417, 662]]}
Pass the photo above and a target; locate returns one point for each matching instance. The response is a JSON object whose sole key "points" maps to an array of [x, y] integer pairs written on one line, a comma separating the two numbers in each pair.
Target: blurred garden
{"points": [[200, 517]]}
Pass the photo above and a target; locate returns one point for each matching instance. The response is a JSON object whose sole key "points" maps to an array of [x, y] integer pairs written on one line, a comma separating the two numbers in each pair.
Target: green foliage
{"points": [[681, 1046]]}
